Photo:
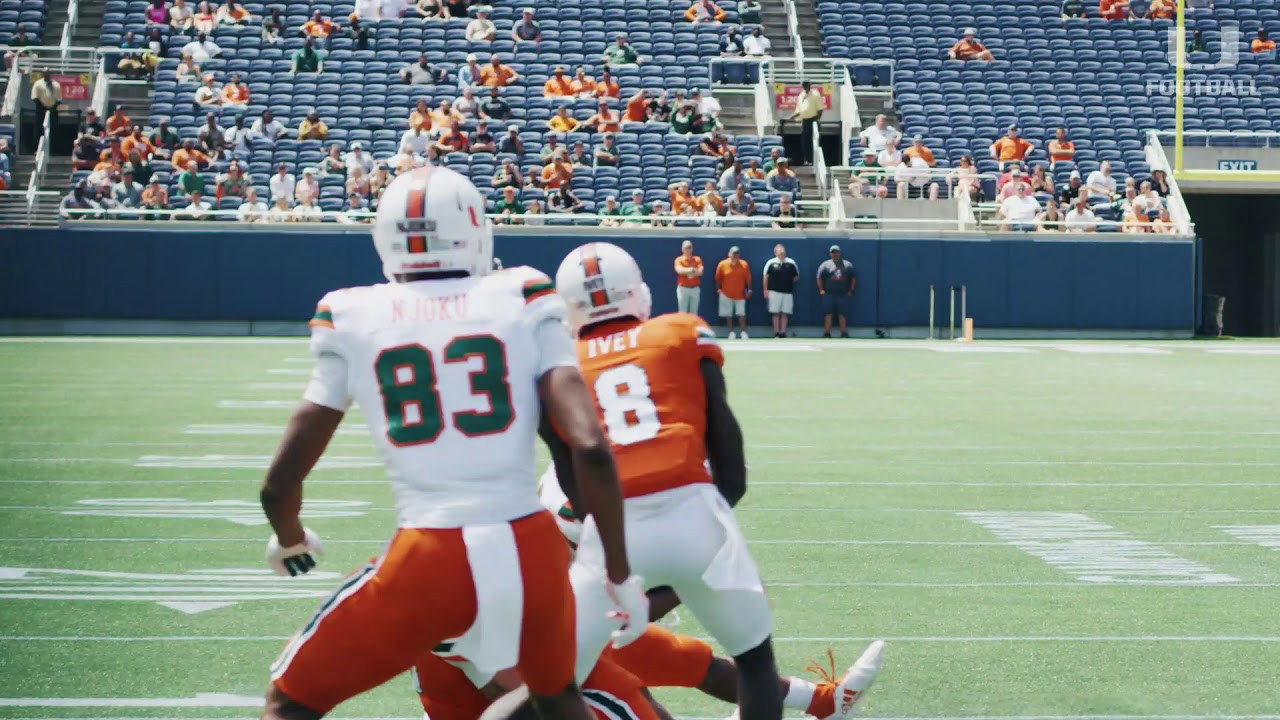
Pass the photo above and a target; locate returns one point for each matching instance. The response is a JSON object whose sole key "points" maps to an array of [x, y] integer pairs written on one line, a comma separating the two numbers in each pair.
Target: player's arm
{"points": [[725, 450]]}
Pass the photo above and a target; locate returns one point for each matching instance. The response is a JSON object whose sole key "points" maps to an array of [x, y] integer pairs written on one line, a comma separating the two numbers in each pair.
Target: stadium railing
{"points": [[69, 29], [850, 117], [793, 30], [1159, 160], [764, 99]]}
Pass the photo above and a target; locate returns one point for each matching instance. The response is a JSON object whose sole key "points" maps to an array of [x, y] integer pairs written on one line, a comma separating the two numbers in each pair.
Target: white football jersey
{"points": [[446, 373]]}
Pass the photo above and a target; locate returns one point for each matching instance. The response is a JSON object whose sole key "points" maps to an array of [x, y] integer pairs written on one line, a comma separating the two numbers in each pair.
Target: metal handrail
{"points": [[12, 91], [819, 164], [1178, 210], [850, 118], [793, 30], [37, 173], [764, 100], [101, 88]]}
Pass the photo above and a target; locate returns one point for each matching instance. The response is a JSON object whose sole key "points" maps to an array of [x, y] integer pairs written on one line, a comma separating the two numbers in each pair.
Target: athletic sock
{"points": [[823, 702], [800, 695]]}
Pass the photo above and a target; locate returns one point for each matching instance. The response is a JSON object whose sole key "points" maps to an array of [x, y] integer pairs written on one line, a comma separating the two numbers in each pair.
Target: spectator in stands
{"points": [[1160, 182], [533, 214], [204, 21], [130, 65], [164, 140], [470, 74], [252, 209], [156, 49], [454, 140], [231, 13], [114, 152], [1017, 182], [710, 202], [1013, 167], [135, 141], [466, 105], [155, 197], [416, 139], [637, 107], [233, 183], [495, 74], [202, 49], [558, 85], [684, 119], [706, 103], [1101, 183], [420, 116], [190, 181], [482, 140], [733, 283], [912, 178], [784, 214], [318, 27], [457, 8], [180, 16], [494, 107], [1197, 43], [637, 207], [970, 49], [127, 193], [741, 203], [890, 157], [282, 185], [312, 127], [188, 156], [92, 126], [564, 201], [731, 45], [681, 198], [356, 207], [607, 87], [526, 29], [358, 183], [207, 95], [268, 128], [705, 11], [756, 44], [187, 69], [509, 206], [508, 175], [118, 124], [661, 215], [445, 117], [1072, 9], [1080, 218], [610, 213], [279, 212], [481, 28], [582, 84], [1162, 10], [1041, 181], [878, 135], [235, 93], [272, 27], [1116, 10], [306, 211], [308, 188], [359, 34], [235, 139], [749, 12], [1011, 147], [197, 208], [918, 150], [964, 178], [157, 14], [1263, 44], [1163, 224], [733, 177], [578, 157], [378, 182], [511, 143], [620, 53], [1073, 189], [714, 144], [1049, 220], [659, 109], [562, 121], [1148, 201], [605, 119], [557, 172], [606, 153], [754, 171], [1061, 149], [1019, 210], [430, 9], [85, 155], [305, 59], [140, 166]]}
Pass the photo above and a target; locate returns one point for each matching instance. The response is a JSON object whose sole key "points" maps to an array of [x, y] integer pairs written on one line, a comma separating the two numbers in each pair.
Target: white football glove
{"points": [[632, 609], [295, 559]]}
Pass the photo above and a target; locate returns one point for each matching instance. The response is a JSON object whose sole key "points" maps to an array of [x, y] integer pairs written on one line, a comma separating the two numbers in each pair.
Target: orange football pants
{"points": [[661, 658]]}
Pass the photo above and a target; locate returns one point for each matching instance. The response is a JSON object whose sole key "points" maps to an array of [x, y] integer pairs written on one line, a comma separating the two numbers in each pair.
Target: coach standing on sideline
{"points": [[733, 280], [688, 279], [780, 275], [836, 282]]}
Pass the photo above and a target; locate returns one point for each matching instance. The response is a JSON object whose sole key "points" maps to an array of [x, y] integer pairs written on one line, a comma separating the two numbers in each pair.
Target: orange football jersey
{"points": [[651, 398]]}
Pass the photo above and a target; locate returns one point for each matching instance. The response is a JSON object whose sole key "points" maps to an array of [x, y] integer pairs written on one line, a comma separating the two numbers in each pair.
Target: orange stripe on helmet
{"points": [[417, 208], [591, 266]]}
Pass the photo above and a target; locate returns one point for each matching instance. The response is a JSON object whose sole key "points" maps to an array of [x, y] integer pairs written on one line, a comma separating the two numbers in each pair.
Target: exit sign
{"points": [[1237, 164]]}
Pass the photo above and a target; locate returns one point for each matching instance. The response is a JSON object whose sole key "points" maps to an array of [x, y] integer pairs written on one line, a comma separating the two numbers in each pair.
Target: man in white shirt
{"points": [[197, 209], [369, 9], [416, 140], [268, 127], [707, 105], [306, 211], [1019, 211], [482, 28], [202, 49], [890, 157], [236, 137], [1080, 218], [282, 184], [878, 135], [207, 94], [394, 9], [912, 174], [308, 187], [756, 44], [466, 103], [1148, 200], [252, 209], [405, 160], [358, 156], [1101, 183]]}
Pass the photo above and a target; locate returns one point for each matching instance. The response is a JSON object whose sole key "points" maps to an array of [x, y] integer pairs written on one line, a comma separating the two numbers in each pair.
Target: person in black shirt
{"points": [[482, 141], [495, 108], [659, 108], [783, 211], [359, 33], [512, 143], [780, 275], [1072, 9], [92, 126], [1070, 191]]}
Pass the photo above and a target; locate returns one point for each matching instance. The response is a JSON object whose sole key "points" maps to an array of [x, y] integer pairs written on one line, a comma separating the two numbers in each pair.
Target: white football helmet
{"points": [[601, 281], [432, 219]]}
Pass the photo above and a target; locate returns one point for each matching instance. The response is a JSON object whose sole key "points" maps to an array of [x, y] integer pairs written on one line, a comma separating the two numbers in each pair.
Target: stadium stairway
{"points": [[89, 22], [738, 114], [773, 18], [810, 31]]}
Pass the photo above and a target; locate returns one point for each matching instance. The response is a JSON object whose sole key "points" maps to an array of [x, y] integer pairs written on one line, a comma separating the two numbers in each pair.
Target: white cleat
{"points": [[732, 335], [744, 335], [855, 682]]}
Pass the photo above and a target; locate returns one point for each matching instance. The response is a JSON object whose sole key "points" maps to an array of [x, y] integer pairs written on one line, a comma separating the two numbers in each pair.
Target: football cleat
{"points": [[851, 686]]}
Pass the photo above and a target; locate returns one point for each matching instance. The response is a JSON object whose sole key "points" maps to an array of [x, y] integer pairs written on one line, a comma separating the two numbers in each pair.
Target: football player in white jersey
{"points": [[455, 370]]}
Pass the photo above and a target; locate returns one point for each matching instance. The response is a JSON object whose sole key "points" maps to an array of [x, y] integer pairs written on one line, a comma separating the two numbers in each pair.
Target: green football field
{"points": [[1061, 530]]}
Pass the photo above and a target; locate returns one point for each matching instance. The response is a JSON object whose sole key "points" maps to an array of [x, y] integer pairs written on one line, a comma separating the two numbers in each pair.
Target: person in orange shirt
{"points": [[733, 281], [1061, 149], [136, 142], [235, 92], [970, 49], [188, 154], [1162, 10], [711, 199], [557, 172], [1115, 10], [680, 197], [114, 152], [562, 121], [444, 117], [453, 140], [557, 85], [688, 279], [704, 11], [1011, 147], [638, 107], [318, 27], [421, 116], [605, 120], [119, 124], [918, 149], [608, 87], [1263, 44], [583, 84], [495, 74]]}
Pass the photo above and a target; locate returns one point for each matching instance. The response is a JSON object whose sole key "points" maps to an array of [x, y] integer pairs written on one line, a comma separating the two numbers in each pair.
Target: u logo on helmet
{"points": [[595, 279]]}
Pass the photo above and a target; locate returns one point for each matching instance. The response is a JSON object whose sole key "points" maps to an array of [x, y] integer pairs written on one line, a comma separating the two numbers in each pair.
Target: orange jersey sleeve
{"points": [[651, 398]]}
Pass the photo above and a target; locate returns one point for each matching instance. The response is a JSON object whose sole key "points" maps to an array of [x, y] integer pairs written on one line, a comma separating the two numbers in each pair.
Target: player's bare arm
{"points": [[305, 439], [725, 450]]}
